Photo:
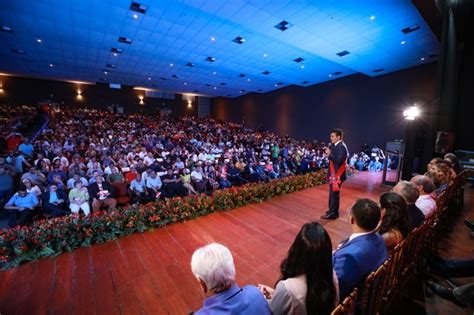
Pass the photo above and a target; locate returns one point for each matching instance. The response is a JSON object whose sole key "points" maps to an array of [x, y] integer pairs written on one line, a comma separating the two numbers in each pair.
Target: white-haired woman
{"points": [[213, 266]]}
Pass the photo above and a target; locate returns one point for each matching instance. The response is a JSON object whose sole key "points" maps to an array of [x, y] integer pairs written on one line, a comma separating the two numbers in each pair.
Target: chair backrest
{"points": [[347, 307], [372, 294]]}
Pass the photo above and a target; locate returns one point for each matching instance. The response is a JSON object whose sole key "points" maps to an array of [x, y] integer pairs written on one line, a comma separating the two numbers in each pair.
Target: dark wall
{"points": [[19, 90], [367, 109]]}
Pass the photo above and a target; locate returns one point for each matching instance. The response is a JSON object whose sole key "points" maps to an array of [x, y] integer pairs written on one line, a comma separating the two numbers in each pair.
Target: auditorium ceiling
{"points": [[211, 47]]}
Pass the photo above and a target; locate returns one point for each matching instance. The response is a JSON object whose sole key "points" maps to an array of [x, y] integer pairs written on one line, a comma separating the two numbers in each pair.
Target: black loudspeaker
{"points": [[444, 142]]}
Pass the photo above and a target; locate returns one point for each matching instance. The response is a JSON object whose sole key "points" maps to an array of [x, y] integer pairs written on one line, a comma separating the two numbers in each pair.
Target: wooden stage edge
{"points": [[150, 273]]}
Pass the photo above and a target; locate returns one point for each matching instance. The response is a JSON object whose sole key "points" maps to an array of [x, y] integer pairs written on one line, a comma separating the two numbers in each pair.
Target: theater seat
{"points": [[121, 193]]}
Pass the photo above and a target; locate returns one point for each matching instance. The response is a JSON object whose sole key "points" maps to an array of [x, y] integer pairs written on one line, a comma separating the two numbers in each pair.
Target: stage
{"points": [[150, 273]]}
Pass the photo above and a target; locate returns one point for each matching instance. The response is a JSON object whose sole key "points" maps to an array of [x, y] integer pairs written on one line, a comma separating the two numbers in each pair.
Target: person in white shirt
{"points": [[76, 177], [139, 190], [149, 159], [153, 184], [425, 201]]}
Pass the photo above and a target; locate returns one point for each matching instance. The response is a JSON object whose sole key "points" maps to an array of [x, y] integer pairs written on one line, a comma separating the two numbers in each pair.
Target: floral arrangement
{"points": [[51, 237]]}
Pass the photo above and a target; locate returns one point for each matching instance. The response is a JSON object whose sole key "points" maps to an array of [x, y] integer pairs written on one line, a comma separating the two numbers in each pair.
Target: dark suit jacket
{"points": [[415, 216], [61, 195], [356, 259], [94, 190], [338, 156]]}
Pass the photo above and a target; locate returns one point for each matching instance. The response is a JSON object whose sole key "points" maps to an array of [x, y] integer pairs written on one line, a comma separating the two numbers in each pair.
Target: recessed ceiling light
{"points": [[124, 40], [239, 40], [265, 55], [215, 88], [105, 72], [51, 65], [248, 79], [343, 53], [137, 7], [403, 42], [422, 58], [190, 64], [185, 83], [213, 39], [372, 17], [283, 26], [115, 54], [214, 73], [7, 29], [302, 66], [135, 16], [211, 59], [38, 40], [276, 84], [171, 65], [149, 79], [330, 75]]}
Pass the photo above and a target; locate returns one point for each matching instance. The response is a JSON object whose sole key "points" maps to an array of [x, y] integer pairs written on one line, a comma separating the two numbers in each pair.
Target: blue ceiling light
{"points": [[283, 25], [186, 33], [239, 40]]}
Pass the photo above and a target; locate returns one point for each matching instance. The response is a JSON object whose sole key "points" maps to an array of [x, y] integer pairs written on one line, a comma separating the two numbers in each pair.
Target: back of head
{"points": [[366, 214], [311, 255], [214, 265], [396, 214], [408, 191], [425, 182]]}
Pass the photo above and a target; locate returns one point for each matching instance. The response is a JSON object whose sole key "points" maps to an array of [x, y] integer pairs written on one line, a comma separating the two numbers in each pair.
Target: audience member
{"points": [[364, 251], [307, 283], [410, 193], [21, 206], [394, 226], [213, 266], [425, 201]]}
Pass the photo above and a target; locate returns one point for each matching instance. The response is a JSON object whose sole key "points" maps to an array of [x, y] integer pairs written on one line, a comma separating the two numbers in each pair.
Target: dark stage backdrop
{"points": [[367, 109], [30, 91]]}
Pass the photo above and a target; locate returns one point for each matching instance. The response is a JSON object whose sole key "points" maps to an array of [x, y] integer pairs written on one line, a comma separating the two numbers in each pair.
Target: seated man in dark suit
{"points": [[213, 266], [364, 251], [102, 194], [410, 193], [54, 201]]}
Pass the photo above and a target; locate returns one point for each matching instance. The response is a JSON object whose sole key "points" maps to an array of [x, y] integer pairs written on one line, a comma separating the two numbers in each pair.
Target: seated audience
{"points": [[6, 184], [79, 198], [307, 283], [101, 193], [139, 191], [32, 188], [213, 267], [55, 201], [410, 193], [153, 184], [425, 201], [21, 206], [394, 225], [364, 251]]}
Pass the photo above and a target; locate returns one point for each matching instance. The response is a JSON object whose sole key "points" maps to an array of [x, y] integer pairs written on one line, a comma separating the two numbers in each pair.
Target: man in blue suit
{"points": [[364, 251], [337, 153]]}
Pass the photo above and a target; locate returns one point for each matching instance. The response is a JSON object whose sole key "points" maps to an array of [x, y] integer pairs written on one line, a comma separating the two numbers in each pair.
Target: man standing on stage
{"points": [[337, 154]]}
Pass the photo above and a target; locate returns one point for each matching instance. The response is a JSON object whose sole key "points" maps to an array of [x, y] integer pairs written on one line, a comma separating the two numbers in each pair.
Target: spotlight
{"points": [[135, 16], [403, 42], [372, 17], [190, 104], [411, 113], [141, 100], [213, 39], [265, 55], [38, 40]]}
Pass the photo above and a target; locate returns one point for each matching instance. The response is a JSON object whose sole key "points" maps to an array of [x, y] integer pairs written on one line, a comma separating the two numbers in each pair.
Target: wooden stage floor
{"points": [[150, 273]]}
